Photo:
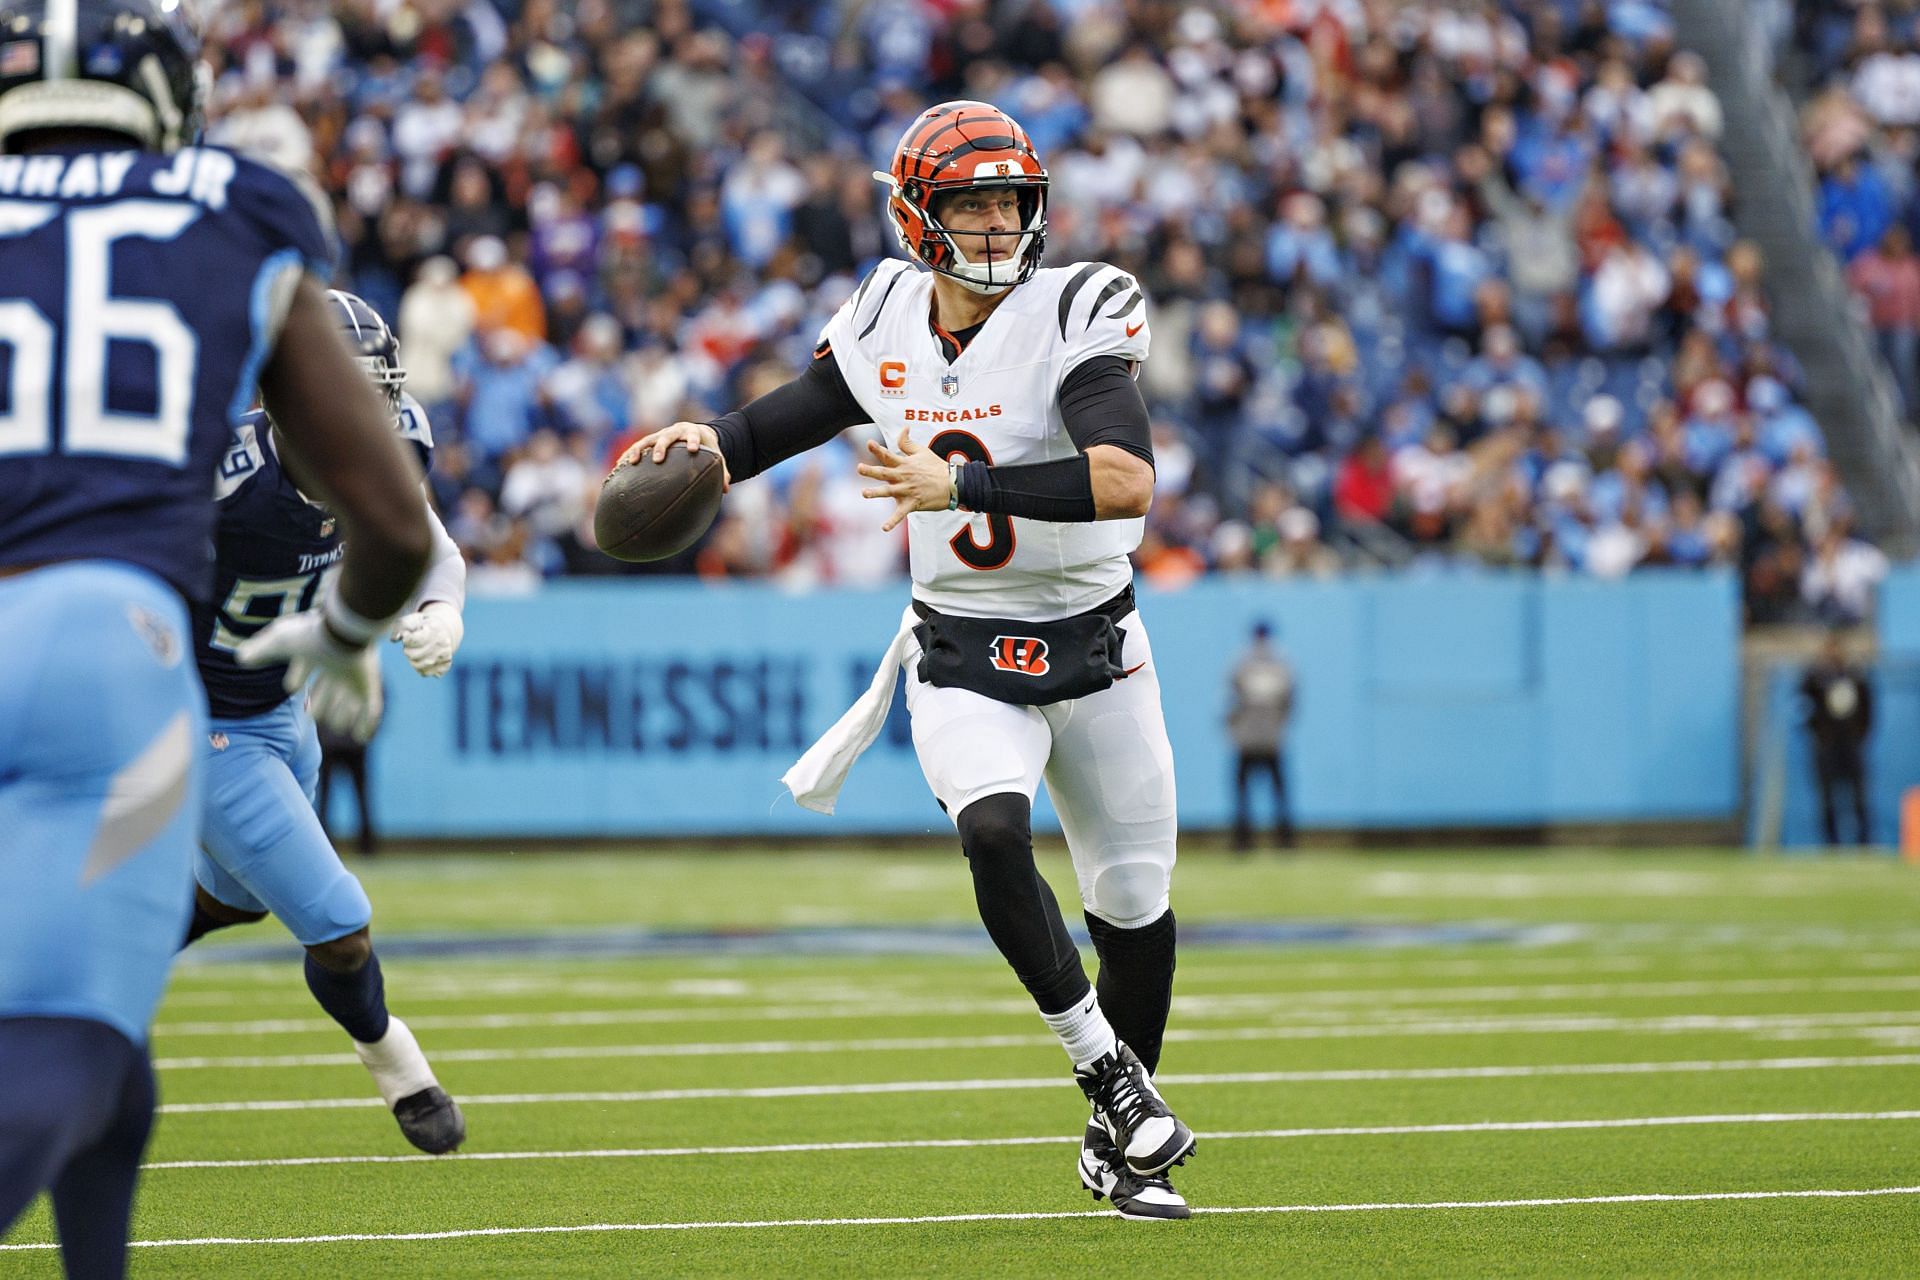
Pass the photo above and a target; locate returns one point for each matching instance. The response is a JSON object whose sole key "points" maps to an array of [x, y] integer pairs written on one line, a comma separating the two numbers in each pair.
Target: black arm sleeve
{"points": [[1060, 491], [792, 418], [1101, 404]]}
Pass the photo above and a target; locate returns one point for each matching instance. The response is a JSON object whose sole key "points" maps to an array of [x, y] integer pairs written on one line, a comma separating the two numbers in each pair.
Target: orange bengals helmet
{"points": [[953, 147]]}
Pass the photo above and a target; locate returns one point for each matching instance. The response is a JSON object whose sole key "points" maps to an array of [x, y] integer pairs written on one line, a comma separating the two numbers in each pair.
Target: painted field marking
{"points": [[1651, 1197], [913, 1144], [1513, 1025], [1357, 1074], [1196, 1006]]}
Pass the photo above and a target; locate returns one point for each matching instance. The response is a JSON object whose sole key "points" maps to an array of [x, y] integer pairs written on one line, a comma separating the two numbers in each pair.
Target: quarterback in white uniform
{"points": [[1014, 443]]}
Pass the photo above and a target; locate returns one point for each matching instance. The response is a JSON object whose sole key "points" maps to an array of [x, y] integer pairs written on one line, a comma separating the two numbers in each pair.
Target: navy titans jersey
{"points": [[271, 550], [139, 294]]}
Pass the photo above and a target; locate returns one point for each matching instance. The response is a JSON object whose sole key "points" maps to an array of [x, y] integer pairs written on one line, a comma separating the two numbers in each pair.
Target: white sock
{"points": [[1083, 1030], [398, 1066]]}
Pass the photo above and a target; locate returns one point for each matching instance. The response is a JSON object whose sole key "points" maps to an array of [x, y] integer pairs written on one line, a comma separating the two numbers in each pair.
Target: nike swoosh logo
{"points": [[1136, 327]]}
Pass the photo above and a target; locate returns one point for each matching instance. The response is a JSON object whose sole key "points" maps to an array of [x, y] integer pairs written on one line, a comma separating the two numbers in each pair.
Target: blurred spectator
{"points": [[436, 319], [1630, 284], [1262, 691], [262, 123], [503, 293], [1838, 701], [1364, 490], [1855, 207], [546, 486], [1888, 277], [425, 128], [343, 753], [758, 199], [1300, 553], [1682, 102], [1842, 577], [500, 385], [503, 569], [1223, 378], [589, 394], [1537, 238]]}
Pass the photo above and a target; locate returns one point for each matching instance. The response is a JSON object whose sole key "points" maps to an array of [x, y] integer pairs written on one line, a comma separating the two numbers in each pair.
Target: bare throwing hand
{"points": [[916, 479]]}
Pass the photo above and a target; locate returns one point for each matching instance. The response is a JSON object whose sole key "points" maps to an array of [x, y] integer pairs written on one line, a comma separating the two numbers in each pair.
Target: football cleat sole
{"points": [[431, 1121], [1135, 1199]]}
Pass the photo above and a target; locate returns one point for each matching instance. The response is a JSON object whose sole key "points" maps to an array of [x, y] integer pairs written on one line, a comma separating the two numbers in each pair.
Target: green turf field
{"points": [[1677, 1063]]}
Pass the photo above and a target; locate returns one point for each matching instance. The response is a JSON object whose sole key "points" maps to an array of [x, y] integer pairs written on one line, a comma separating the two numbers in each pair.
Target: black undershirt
{"points": [[1099, 402], [952, 344]]}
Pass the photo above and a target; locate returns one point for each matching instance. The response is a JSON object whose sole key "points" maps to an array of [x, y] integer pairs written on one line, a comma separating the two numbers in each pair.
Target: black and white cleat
{"points": [[1149, 1198]]}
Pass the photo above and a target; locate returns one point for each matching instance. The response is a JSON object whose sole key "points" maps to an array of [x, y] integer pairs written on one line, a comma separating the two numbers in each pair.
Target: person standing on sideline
{"points": [[1839, 702], [1262, 686], [344, 753]]}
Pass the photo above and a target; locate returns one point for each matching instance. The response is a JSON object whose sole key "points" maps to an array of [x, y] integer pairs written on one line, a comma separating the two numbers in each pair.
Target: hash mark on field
{"points": [[1649, 1197], [1869, 1023], [911, 1144], [1502, 1072], [1195, 1006]]}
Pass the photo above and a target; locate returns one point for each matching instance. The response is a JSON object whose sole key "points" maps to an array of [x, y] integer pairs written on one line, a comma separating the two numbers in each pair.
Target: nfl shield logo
{"points": [[950, 384]]}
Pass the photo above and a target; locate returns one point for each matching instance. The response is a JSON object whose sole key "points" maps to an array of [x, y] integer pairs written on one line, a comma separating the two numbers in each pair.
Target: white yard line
{"points": [[1756, 1024], [1200, 1006], [428, 978], [1539, 1202], [1358, 1074], [912, 1144]]}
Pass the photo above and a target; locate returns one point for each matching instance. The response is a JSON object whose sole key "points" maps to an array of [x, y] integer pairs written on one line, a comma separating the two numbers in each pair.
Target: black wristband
{"points": [[1060, 491]]}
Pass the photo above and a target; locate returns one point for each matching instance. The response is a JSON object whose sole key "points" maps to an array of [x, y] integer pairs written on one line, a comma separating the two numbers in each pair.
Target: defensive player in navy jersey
{"points": [[264, 848], [149, 289]]}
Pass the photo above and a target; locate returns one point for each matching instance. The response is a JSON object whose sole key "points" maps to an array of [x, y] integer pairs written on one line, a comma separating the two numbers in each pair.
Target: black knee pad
{"points": [[998, 830]]}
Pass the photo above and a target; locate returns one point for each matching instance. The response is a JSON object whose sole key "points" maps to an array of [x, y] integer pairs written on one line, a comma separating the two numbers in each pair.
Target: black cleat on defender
{"points": [[1102, 1171], [431, 1121], [1149, 1135]]}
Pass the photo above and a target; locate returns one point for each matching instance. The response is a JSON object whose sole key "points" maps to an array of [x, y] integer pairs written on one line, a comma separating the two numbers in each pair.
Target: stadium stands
{"points": [[1435, 284]]}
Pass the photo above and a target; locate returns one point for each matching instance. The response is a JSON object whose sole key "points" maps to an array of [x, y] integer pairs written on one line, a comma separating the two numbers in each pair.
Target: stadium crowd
{"points": [[1434, 281]]}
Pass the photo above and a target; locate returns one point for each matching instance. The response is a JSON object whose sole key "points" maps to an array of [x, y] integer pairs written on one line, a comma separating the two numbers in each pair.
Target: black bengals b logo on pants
{"points": [[1024, 654]]}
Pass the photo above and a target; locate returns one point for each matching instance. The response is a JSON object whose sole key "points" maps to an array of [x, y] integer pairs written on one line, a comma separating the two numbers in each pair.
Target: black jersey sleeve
{"points": [[1100, 403], [792, 418]]}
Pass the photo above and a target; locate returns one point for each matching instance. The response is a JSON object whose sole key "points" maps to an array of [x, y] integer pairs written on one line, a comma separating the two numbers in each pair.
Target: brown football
{"points": [[651, 510]]}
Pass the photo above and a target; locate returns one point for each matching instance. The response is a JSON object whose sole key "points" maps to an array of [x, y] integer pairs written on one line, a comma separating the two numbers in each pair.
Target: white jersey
{"points": [[998, 402]]}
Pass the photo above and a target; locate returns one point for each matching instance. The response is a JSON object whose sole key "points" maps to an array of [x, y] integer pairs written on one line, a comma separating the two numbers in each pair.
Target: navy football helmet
{"points": [[374, 347], [121, 66]]}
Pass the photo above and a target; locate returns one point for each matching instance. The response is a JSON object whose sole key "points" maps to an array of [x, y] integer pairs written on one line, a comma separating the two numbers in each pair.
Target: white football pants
{"points": [[1105, 759]]}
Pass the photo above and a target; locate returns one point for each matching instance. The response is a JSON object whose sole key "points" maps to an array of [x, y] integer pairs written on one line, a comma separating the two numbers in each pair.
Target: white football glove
{"points": [[430, 636], [345, 692]]}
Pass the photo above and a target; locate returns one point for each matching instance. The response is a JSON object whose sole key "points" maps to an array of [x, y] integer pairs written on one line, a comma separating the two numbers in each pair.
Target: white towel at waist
{"points": [[816, 777]]}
